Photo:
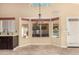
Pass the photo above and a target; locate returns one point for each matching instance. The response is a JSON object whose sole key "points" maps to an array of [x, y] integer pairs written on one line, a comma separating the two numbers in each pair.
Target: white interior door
{"points": [[73, 32]]}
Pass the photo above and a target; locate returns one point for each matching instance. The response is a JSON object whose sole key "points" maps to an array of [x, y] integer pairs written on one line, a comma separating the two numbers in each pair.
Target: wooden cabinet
{"points": [[8, 42]]}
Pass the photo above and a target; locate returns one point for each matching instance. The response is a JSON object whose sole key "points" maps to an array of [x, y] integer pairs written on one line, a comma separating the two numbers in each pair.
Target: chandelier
{"points": [[39, 15]]}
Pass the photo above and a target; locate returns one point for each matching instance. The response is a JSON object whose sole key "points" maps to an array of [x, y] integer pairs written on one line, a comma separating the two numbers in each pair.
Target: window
{"points": [[1, 28], [44, 30], [55, 30], [7, 26], [36, 30], [24, 30], [41, 4], [40, 30]]}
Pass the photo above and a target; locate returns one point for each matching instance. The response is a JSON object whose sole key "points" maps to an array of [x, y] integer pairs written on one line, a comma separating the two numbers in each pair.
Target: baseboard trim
{"points": [[73, 46], [63, 46]]}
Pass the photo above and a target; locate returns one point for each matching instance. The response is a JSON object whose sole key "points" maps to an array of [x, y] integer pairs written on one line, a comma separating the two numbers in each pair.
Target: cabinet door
{"points": [[6, 43], [10, 42], [3, 43]]}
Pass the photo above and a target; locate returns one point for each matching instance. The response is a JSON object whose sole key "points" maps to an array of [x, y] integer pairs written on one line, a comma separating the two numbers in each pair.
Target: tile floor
{"points": [[41, 50]]}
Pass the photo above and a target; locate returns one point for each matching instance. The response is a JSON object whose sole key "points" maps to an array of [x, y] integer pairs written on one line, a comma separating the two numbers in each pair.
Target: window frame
{"points": [[41, 35], [55, 36], [23, 30], [6, 19]]}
